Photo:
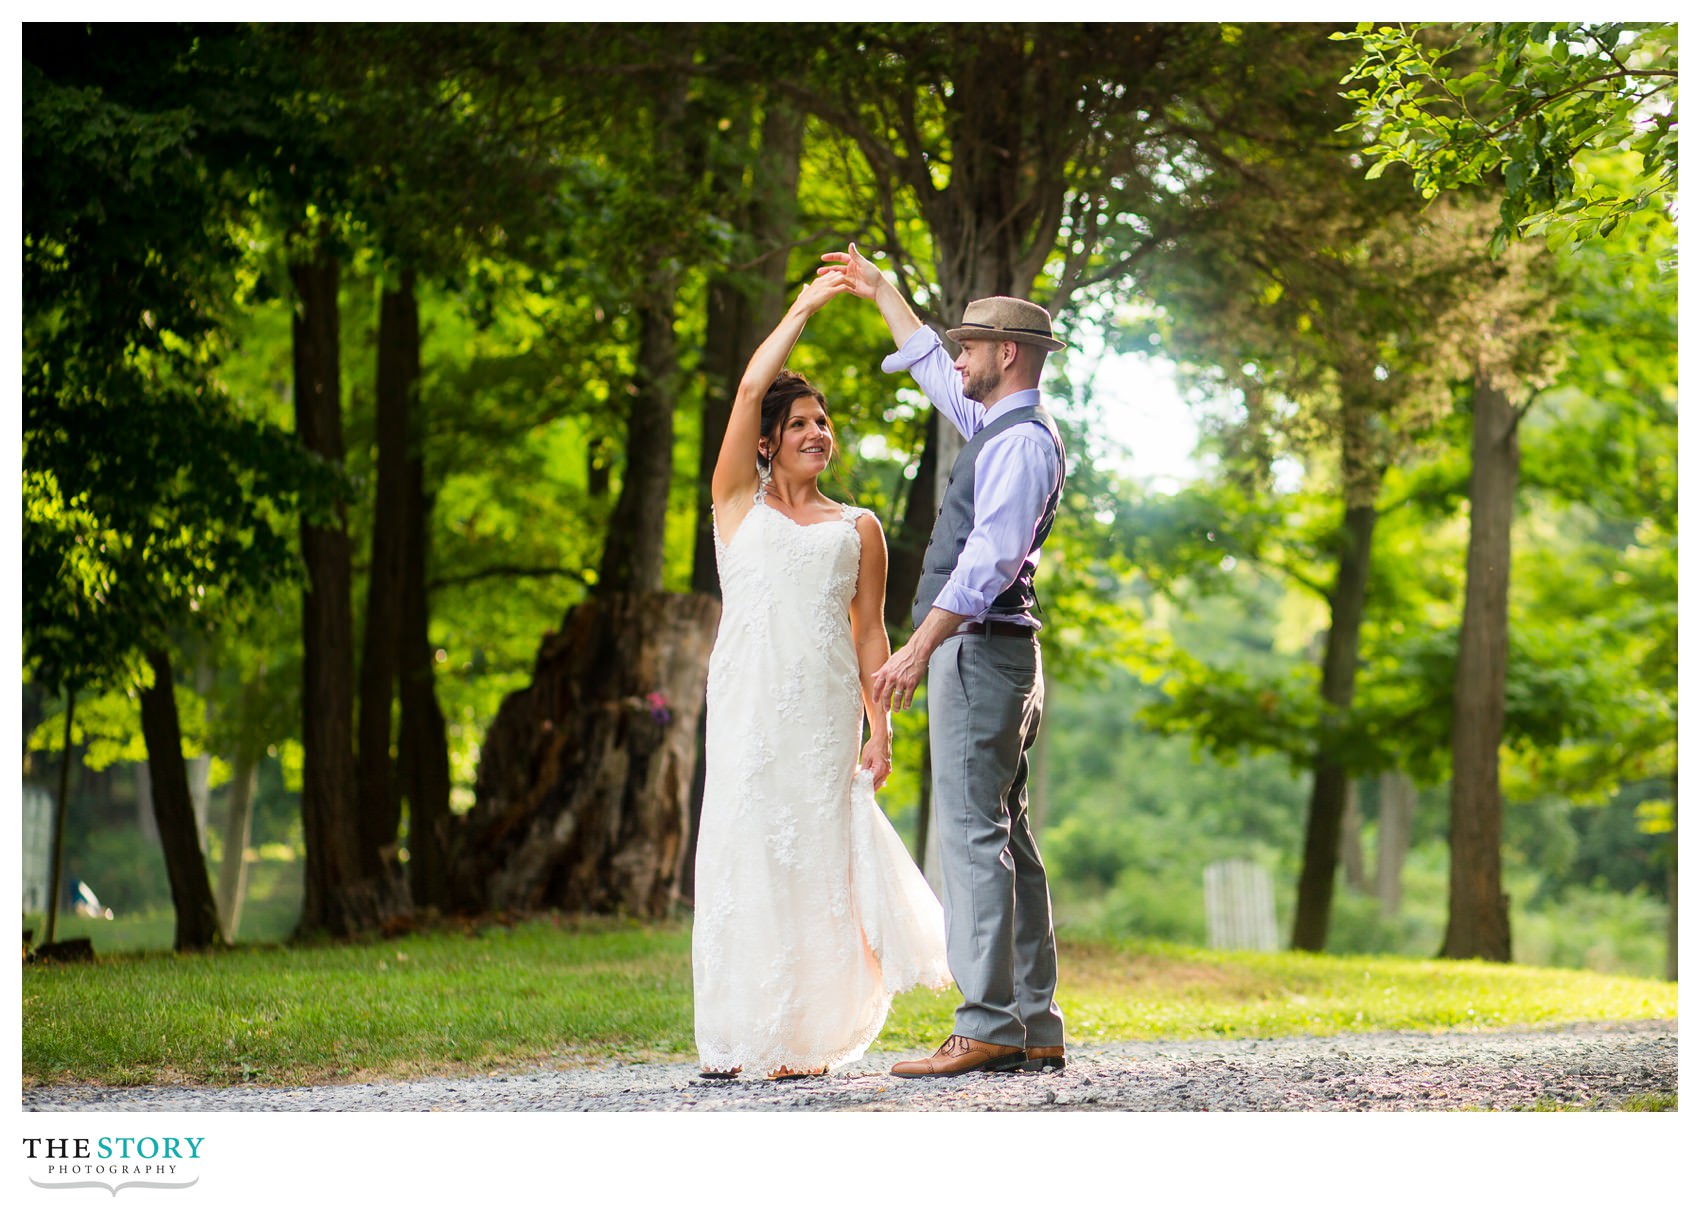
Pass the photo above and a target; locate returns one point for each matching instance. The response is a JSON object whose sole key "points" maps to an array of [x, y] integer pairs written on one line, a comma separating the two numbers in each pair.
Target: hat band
{"points": [[1004, 328]]}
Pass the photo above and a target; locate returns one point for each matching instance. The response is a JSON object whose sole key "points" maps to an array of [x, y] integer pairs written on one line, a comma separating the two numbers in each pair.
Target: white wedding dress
{"points": [[810, 914]]}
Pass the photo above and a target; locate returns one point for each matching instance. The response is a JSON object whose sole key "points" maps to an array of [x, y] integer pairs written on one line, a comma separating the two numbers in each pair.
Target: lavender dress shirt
{"points": [[1016, 473]]}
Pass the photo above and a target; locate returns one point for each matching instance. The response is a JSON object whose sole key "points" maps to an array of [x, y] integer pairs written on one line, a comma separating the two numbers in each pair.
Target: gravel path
{"points": [[1595, 1066]]}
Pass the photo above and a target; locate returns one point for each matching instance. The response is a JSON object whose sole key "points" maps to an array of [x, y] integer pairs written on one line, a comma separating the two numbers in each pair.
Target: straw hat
{"points": [[1001, 318]]}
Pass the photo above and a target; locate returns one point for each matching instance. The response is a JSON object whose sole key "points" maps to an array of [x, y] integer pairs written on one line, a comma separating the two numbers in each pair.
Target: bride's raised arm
{"points": [[734, 482]]}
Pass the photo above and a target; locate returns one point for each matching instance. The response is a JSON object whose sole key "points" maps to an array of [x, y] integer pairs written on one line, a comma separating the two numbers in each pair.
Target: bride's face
{"points": [[805, 439]]}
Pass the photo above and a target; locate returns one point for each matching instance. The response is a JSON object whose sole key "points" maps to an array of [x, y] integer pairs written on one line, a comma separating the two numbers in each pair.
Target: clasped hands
{"points": [[852, 274]]}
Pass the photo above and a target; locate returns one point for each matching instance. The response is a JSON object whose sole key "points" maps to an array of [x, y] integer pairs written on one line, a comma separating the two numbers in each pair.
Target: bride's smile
{"points": [[808, 435]]}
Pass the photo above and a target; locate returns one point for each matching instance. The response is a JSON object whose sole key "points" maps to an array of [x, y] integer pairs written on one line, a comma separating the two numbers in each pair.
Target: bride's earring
{"points": [[764, 467]]}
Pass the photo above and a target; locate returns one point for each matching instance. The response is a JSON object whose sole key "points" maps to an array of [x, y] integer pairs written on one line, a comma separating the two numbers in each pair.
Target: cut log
{"points": [[583, 789]]}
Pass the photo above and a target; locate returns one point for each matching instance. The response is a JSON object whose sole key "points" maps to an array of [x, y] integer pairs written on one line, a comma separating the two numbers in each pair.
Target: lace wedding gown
{"points": [[810, 914]]}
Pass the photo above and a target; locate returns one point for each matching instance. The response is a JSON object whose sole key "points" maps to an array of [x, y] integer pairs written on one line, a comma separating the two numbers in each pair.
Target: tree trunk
{"points": [[397, 380], [693, 824], [908, 541], [146, 825], [199, 770], [632, 558], [584, 780], [633, 553], [186, 868], [598, 468], [723, 358], [424, 733], [346, 888], [1351, 841], [1478, 914], [583, 793], [238, 819], [1329, 778], [1393, 839]]}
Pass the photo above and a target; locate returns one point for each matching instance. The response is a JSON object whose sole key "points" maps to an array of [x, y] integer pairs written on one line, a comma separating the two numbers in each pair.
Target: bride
{"points": [[809, 913]]}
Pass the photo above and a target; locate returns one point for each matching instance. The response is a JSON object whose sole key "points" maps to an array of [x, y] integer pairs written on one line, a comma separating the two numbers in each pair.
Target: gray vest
{"points": [[956, 520]]}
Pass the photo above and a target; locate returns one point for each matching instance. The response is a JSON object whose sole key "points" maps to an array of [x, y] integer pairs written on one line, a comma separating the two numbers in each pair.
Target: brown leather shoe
{"points": [[960, 1055], [1045, 1057]]}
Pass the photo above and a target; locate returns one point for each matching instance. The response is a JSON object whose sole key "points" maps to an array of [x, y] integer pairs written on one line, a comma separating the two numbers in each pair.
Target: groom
{"points": [[976, 642]]}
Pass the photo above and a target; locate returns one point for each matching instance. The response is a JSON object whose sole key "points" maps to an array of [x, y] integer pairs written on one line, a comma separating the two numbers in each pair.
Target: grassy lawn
{"points": [[552, 992]]}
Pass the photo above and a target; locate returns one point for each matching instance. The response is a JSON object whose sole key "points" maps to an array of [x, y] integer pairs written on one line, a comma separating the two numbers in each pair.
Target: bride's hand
{"points": [[876, 757], [861, 276], [823, 287]]}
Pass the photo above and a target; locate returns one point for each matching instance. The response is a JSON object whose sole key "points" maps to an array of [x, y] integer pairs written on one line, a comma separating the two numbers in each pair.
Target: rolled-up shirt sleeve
{"points": [[1013, 481], [934, 372]]}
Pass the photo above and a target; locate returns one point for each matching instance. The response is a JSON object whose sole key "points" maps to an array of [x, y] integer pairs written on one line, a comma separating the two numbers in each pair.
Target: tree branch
{"points": [[498, 571]]}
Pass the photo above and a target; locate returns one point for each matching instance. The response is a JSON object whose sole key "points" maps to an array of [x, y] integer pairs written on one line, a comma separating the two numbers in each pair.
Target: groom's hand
{"points": [[894, 682], [861, 276]]}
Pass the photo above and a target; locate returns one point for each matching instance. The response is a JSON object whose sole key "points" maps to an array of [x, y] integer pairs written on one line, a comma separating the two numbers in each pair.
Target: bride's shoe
{"points": [[786, 1073], [732, 1073]]}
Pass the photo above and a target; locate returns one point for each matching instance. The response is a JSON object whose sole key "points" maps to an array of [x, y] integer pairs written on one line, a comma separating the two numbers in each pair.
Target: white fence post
{"points": [[1239, 906], [37, 845]]}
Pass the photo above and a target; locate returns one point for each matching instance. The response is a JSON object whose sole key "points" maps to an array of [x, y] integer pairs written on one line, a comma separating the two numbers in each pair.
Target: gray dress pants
{"points": [[985, 697]]}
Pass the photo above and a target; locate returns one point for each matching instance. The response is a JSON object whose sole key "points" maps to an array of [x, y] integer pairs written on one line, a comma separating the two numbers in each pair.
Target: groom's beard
{"points": [[977, 385]]}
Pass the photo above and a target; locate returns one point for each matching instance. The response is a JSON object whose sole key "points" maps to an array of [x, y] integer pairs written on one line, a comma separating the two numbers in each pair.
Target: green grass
{"points": [[552, 992]]}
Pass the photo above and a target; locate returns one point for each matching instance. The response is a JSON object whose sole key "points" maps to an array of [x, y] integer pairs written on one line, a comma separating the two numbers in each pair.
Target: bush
{"points": [[1596, 928]]}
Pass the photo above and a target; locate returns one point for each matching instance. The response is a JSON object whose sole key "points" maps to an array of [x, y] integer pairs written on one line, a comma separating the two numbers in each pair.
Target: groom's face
{"points": [[978, 366]]}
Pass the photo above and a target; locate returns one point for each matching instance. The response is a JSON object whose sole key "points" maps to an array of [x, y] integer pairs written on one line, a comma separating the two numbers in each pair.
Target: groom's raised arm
{"points": [[918, 349]]}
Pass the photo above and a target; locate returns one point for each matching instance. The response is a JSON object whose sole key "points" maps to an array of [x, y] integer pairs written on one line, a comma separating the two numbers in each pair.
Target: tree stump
{"points": [[78, 949], [583, 789]]}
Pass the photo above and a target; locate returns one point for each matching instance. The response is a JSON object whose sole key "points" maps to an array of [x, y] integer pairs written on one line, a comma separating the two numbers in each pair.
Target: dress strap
{"points": [[852, 512]]}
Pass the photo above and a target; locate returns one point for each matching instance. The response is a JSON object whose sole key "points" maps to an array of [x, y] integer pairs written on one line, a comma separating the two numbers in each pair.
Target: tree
{"points": [[1559, 92], [1047, 161], [1600, 447], [583, 791], [1520, 105], [438, 186], [150, 505], [1032, 156], [429, 184], [1320, 302]]}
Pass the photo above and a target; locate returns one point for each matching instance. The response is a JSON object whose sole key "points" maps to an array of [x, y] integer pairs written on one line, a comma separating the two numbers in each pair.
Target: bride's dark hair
{"points": [[788, 387]]}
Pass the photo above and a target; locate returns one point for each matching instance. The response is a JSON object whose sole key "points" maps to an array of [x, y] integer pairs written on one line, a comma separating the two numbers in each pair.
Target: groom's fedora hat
{"points": [[1001, 318]]}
